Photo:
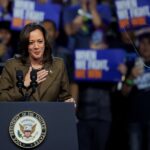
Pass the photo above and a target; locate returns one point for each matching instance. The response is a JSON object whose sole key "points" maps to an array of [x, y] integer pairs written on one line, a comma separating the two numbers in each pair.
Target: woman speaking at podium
{"points": [[35, 75]]}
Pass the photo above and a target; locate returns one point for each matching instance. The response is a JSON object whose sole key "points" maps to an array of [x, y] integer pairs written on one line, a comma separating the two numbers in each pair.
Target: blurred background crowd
{"points": [[111, 115]]}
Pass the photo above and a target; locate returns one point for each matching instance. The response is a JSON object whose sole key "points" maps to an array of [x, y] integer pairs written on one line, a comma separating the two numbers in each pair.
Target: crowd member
{"points": [[52, 81], [137, 91], [86, 29], [98, 40], [79, 23], [60, 51], [6, 10], [6, 48], [94, 109], [57, 49], [122, 40]]}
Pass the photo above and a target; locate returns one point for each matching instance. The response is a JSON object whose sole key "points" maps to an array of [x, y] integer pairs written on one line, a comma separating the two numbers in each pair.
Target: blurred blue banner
{"points": [[133, 14], [26, 11], [51, 11], [98, 65]]}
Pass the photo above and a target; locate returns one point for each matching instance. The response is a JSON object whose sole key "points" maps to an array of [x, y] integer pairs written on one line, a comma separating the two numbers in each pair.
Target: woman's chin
{"points": [[36, 58]]}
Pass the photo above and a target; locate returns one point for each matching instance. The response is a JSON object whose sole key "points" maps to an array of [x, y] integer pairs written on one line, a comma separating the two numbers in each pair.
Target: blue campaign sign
{"points": [[52, 12], [26, 11], [133, 14], [105, 12], [98, 65]]}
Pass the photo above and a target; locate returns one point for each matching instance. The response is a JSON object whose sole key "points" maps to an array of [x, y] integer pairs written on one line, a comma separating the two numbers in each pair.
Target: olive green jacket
{"points": [[54, 88]]}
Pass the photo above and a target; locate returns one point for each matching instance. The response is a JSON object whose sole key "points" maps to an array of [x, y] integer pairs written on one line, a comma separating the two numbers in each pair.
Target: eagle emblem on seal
{"points": [[27, 130]]}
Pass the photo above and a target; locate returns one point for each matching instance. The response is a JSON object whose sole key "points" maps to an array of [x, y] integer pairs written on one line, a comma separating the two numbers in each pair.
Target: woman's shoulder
{"points": [[58, 63], [58, 60], [13, 61]]}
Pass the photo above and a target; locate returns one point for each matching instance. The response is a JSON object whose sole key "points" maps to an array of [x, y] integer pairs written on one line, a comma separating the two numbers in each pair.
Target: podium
{"points": [[59, 118]]}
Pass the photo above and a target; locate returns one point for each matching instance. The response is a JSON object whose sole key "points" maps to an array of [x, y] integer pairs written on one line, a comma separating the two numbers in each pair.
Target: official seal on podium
{"points": [[27, 129]]}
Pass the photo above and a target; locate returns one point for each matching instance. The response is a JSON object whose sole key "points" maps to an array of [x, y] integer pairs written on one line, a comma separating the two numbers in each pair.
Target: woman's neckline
{"points": [[38, 67]]}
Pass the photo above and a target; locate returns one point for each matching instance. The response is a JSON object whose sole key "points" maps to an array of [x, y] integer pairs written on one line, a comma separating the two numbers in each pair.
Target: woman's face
{"points": [[36, 45]]}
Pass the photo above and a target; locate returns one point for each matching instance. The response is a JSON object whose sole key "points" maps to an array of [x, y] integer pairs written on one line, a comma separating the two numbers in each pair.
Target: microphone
{"points": [[33, 83], [20, 83]]}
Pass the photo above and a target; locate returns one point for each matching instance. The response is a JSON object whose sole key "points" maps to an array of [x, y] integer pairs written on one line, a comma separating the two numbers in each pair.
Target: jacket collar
{"points": [[50, 79]]}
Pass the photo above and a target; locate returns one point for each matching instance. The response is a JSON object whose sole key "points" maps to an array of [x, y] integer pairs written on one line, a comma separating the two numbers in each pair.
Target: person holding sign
{"points": [[6, 48], [34, 64], [94, 107]]}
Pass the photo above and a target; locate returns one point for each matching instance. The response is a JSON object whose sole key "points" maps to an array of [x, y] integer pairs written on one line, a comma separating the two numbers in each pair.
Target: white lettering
{"points": [[127, 4], [85, 55], [80, 64], [34, 15], [18, 13], [130, 8], [123, 14], [140, 12], [98, 64], [26, 5]]}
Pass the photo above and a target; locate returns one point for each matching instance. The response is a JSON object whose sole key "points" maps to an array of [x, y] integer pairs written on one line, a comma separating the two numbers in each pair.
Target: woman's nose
{"points": [[36, 45]]}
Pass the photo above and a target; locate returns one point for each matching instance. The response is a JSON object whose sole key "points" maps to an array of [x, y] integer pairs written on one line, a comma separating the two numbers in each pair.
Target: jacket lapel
{"points": [[52, 74]]}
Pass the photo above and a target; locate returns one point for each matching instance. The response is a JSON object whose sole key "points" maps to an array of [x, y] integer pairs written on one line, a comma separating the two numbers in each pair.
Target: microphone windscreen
{"points": [[19, 75], [33, 75]]}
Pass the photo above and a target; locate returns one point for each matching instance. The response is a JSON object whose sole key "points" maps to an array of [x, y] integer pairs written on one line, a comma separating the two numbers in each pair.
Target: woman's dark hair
{"points": [[24, 42]]}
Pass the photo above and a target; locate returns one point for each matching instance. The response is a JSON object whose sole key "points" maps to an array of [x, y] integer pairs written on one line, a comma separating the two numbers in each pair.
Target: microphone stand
{"points": [[20, 84]]}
